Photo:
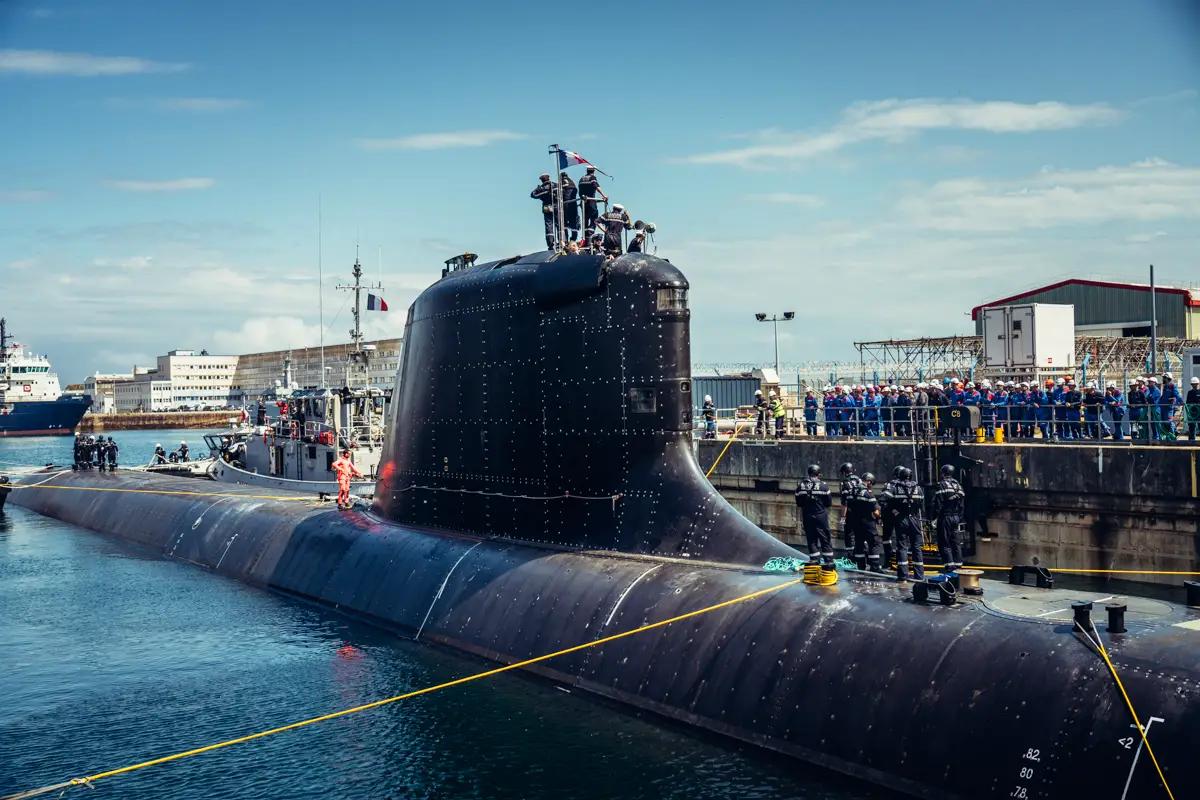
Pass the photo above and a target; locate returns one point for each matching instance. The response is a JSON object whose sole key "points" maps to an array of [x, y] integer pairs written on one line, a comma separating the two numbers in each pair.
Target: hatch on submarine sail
{"points": [[538, 491]]}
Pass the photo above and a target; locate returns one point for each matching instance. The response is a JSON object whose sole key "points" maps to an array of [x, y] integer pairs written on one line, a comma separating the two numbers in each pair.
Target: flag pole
{"points": [[554, 151]]}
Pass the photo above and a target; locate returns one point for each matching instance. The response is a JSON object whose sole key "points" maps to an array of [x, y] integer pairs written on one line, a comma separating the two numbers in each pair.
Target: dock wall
{"points": [[97, 423], [1070, 506]]}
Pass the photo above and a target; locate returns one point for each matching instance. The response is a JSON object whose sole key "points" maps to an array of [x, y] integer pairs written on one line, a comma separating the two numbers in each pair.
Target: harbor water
{"points": [[113, 655]]}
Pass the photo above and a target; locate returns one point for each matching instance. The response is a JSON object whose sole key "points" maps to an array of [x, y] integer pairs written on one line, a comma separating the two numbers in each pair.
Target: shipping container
{"points": [[728, 391], [1030, 336], [1191, 368]]}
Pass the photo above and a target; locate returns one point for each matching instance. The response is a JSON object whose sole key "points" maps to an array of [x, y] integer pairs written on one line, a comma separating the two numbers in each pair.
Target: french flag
{"points": [[376, 303], [568, 159]]}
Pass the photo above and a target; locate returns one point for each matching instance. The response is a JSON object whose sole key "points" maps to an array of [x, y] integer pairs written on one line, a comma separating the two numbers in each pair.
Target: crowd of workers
{"points": [[609, 239], [1154, 409], [899, 509], [95, 451]]}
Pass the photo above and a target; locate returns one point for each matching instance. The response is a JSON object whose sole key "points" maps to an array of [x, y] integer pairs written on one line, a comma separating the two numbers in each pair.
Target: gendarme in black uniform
{"points": [[865, 523], [547, 192], [902, 501], [614, 222], [589, 187], [948, 509], [814, 499], [849, 481]]}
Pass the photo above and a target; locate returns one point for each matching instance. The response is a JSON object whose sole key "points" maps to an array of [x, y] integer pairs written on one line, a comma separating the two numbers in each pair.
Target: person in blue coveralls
{"points": [[1059, 398], [829, 403], [710, 418], [1093, 407], [1153, 397], [871, 404], [1042, 407], [1115, 403], [987, 408], [1000, 399], [1170, 399], [1137, 409], [810, 412], [1074, 404], [1017, 401]]}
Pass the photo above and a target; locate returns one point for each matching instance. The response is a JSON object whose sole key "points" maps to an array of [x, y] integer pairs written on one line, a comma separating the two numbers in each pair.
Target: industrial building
{"points": [[1104, 308], [187, 379]]}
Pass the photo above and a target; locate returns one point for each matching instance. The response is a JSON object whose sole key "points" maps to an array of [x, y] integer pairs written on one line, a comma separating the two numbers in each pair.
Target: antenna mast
{"points": [[357, 354]]}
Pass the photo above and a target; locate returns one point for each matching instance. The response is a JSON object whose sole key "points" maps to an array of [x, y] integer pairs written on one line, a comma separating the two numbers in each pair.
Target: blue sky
{"points": [[878, 167]]}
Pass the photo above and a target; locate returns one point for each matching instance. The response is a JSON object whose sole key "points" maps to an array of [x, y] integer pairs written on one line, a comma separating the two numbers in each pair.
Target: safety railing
{"points": [[1136, 422]]}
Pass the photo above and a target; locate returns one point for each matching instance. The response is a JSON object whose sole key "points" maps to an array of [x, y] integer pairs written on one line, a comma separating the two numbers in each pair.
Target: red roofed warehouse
{"points": [[1105, 308]]}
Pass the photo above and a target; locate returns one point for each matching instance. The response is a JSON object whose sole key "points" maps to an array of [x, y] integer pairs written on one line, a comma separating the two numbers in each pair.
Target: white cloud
{"points": [[199, 105], [176, 185], [66, 280], [1149, 190], [442, 141], [205, 104], [80, 65], [896, 120], [787, 198], [136, 262], [23, 195], [266, 333], [23, 263]]}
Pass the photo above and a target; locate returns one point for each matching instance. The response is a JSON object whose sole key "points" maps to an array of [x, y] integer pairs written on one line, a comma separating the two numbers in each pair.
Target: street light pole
{"points": [[775, 319]]}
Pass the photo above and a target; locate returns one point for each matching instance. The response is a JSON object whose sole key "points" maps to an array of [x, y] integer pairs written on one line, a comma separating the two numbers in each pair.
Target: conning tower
{"points": [[548, 398]]}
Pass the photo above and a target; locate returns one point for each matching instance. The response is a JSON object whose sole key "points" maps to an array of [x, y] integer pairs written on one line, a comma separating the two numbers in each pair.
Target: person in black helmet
{"points": [[112, 451], [866, 526], [589, 187], [948, 503], [547, 192], [813, 499], [850, 480], [902, 501]]}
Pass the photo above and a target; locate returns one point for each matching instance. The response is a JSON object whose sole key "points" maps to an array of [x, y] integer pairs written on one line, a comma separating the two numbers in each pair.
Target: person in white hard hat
{"points": [[1171, 399], [1153, 397], [1137, 409], [1115, 403], [160, 454], [1191, 409], [810, 412], [710, 417], [761, 405]]}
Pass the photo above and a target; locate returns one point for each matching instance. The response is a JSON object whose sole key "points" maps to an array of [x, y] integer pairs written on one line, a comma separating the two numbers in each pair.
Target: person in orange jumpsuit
{"points": [[344, 469]]}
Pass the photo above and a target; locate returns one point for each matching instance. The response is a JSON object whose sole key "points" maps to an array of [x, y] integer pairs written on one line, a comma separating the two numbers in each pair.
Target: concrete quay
{"points": [[1072, 506], [183, 420]]}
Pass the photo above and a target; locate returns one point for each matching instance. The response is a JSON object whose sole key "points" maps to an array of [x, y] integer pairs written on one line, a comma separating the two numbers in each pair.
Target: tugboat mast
{"points": [[358, 356]]}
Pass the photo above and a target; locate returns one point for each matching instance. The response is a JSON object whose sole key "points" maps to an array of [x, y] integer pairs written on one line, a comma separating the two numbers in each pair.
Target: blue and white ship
{"points": [[31, 400]]}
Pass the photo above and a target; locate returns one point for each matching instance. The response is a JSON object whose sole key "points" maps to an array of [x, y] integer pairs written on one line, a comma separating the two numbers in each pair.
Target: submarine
{"points": [[539, 491]]}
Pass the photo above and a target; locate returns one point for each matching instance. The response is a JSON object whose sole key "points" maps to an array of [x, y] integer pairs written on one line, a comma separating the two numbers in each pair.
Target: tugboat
{"points": [[31, 400], [300, 432]]}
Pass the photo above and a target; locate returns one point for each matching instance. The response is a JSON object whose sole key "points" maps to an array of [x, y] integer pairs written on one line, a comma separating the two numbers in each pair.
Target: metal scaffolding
{"points": [[908, 361]]}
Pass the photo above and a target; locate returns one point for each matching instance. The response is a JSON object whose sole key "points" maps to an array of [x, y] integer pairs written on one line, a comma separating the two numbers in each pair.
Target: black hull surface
{"points": [[539, 491], [957, 702]]}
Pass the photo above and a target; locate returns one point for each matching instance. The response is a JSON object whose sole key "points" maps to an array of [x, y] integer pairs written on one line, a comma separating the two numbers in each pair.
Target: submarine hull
{"points": [[941, 702]]}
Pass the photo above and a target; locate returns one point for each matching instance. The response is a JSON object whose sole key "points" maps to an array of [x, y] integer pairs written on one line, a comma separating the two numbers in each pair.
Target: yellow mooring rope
{"points": [[720, 455], [89, 780], [1099, 645]]}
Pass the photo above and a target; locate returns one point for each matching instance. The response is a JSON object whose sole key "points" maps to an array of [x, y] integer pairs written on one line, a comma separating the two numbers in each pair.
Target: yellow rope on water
{"points": [[427, 690], [1104, 654]]}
